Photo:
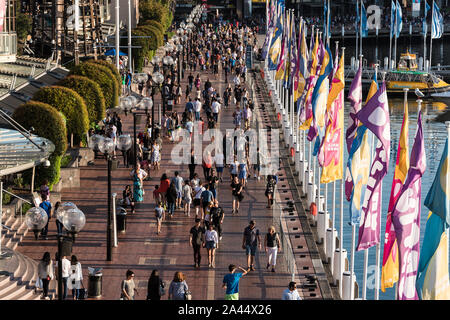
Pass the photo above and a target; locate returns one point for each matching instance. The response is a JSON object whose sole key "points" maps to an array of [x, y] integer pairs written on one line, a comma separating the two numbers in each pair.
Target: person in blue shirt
{"points": [[231, 282], [47, 206]]}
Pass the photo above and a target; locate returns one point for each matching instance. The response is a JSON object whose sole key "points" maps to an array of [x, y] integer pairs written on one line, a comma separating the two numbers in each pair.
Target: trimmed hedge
{"points": [[139, 54], [46, 121], [105, 79], [50, 124], [155, 24], [71, 104], [157, 38], [90, 92], [111, 67], [150, 10]]}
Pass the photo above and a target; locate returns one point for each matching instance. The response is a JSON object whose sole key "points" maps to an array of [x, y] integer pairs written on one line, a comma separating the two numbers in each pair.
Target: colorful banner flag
{"points": [[389, 270], [365, 28], [406, 219], [275, 46], [300, 66], [424, 20], [399, 20], [331, 155], [432, 275], [393, 12], [375, 116], [437, 23], [355, 97], [438, 200]]}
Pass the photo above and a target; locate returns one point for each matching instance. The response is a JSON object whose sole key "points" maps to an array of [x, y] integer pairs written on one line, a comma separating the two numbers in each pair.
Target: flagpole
{"points": [[447, 125], [431, 36], [356, 31], [425, 39], [378, 246], [395, 35], [328, 22], [360, 28], [341, 214], [390, 42]]}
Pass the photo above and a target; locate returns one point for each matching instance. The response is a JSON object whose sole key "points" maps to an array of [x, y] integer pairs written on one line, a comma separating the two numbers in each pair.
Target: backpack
{"points": [[162, 288]]}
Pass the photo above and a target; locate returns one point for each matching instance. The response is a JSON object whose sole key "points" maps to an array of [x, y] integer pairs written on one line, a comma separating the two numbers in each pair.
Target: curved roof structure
{"points": [[17, 153]]}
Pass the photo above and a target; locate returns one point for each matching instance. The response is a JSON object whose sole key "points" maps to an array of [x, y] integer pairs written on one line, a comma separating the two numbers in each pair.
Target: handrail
{"points": [[12, 194]]}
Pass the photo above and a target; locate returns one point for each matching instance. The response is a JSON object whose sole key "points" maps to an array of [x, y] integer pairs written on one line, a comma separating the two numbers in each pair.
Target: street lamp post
{"points": [[157, 79]]}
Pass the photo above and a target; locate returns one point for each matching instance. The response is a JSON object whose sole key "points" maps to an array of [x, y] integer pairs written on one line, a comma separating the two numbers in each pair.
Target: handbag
{"points": [[240, 197], [187, 295], [162, 290], [82, 292]]}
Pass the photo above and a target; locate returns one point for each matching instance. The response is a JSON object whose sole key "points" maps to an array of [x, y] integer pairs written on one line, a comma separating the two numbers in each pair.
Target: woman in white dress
{"points": [[75, 281], [156, 156]]}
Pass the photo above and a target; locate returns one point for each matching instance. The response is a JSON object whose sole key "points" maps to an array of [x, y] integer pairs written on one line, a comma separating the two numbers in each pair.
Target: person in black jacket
{"points": [[155, 287], [171, 198]]}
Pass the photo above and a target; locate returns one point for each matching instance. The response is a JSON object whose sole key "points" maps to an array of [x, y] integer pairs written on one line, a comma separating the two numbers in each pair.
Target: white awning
{"points": [[17, 153]]}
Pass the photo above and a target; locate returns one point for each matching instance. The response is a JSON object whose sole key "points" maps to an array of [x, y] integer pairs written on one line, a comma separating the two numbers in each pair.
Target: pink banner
{"points": [[2, 13]]}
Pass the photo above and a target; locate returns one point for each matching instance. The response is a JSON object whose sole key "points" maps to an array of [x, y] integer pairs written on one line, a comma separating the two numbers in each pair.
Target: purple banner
{"points": [[375, 116], [406, 219]]}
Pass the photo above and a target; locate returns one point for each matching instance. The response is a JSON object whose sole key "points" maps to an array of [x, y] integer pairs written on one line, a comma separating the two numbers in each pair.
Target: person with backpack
{"points": [[155, 287], [47, 206]]}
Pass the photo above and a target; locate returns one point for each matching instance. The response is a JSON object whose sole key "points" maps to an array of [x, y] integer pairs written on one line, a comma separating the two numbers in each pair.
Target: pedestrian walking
{"points": [[45, 273], [159, 215], [231, 282], [217, 216], [178, 182], [198, 190], [219, 164], [47, 206], [211, 244], [138, 176], [270, 188], [75, 282], [155, 287], [65, 273], [291, 292], [128, 200], [206, 197], [178, 289], [272, 246], [187, 198], [236, 192], [128, 287], [197, 241], [171, 198], [250, 241]]}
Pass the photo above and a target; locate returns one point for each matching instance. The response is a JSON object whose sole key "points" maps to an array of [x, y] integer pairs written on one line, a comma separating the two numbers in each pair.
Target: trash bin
{"points": [[121, 219], [95, 282]]}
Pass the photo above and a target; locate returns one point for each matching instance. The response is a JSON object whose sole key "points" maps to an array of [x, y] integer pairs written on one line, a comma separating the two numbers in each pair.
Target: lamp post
{"points": [[73, 220], [179, 50], [168, 61], [157, 79], [106, 146]]}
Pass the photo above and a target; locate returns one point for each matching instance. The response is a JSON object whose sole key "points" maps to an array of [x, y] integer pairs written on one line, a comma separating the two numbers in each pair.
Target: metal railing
{"points": [[20, 198]]}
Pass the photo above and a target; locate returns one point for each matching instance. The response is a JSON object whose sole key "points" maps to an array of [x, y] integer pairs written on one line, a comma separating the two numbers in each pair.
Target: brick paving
{"points": [[141, 249]]}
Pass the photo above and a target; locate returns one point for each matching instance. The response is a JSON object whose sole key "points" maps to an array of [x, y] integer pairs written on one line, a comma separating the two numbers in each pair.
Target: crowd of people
{"points": [[210, 51]]}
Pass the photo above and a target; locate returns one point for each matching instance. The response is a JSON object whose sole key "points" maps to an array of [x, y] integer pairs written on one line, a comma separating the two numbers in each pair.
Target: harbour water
{"points": [[435, 135]]}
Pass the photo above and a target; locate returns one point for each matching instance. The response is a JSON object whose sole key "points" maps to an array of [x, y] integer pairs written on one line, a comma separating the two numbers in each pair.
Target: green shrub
{"points": [[51, 174], [157, 38], [6, 197], [150, 10], [105, 79], [91, 92], [66, 160], [155, 24], [71, 104], [140, 53], [46, 121], [25, 207], [111, 67]]}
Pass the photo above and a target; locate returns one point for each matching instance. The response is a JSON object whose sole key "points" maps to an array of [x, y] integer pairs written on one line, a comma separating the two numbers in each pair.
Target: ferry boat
{"points": [[408, 76]]}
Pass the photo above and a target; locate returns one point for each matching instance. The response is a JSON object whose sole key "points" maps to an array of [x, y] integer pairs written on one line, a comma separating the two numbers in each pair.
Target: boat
{"points": [[408, 76]]}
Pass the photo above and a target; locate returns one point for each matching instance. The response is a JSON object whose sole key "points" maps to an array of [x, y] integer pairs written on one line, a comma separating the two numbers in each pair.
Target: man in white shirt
{"points": [[197, 109], [215, 107], [291, 293], [65, 274]]}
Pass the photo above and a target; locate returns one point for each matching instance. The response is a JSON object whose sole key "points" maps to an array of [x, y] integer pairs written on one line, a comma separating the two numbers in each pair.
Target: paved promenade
{"points": [[142, 250]]}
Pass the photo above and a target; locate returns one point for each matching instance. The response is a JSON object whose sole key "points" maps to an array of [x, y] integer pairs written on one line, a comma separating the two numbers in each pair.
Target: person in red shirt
{"points": [[163, 187], [207, 164]]}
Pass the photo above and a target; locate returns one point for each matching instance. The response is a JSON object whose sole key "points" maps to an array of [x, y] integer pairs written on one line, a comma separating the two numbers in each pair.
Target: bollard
{"points": [[348, 286], [297, 163], [322, 221], [311, 197], [304, 177], [114, 195], [331, 246], [338, 265]]}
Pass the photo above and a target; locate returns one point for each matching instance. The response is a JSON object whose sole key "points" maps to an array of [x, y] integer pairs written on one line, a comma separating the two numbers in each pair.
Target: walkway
{"points": [[141, 250]]}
